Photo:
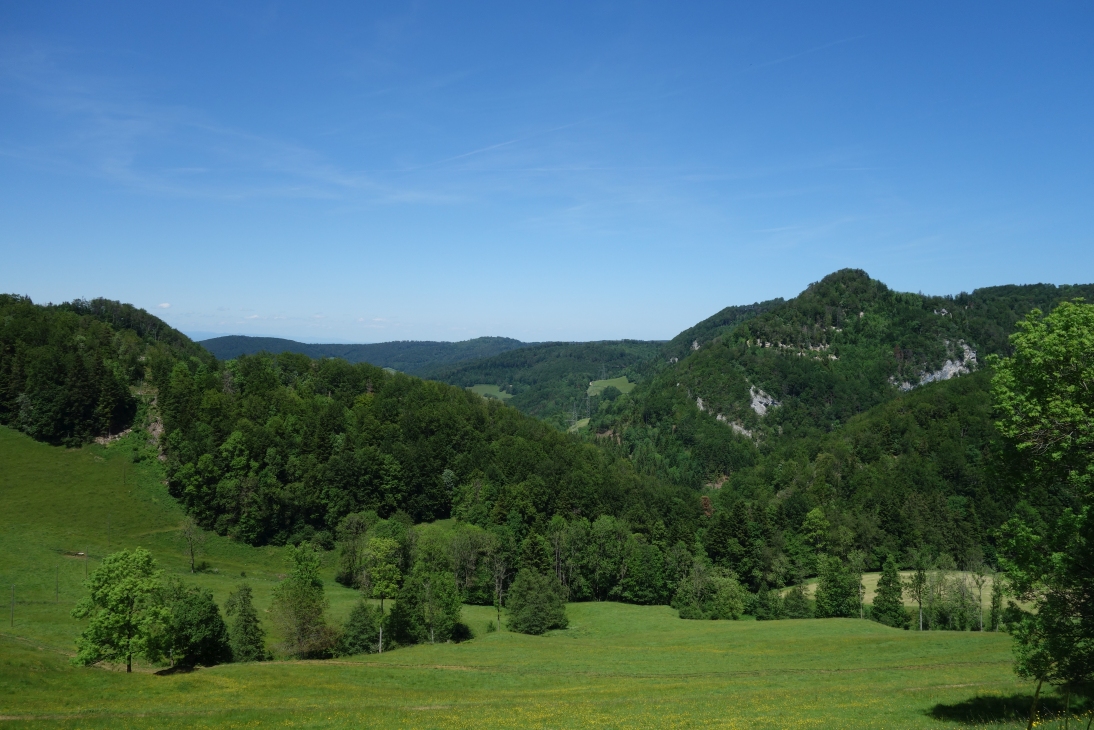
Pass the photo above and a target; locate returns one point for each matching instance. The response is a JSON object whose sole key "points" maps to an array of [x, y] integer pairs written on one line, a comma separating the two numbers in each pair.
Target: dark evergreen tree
{"points": [[361, 633], [889, 601], [769, 607], [245, 634], [796, 604], [535, 603], [535, 554]]}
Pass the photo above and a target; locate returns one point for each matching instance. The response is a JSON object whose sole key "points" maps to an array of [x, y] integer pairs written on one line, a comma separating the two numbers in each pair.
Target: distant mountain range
{"points": [[408, 356]]}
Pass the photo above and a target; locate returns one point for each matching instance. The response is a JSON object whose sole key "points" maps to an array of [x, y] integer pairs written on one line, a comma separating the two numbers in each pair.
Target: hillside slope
{"points": [[67, 370], [407, 356], [550, 380], [803, 367]]}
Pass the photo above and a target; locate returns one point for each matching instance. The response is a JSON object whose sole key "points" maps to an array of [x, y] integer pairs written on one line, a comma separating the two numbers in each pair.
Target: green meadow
{"points": [[597, 387], [615, 666], [491, 391]]}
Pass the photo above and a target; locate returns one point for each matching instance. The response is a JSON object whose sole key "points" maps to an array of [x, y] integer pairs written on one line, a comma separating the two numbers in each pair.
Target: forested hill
{"points": [[688, 340], [408, 356], [551, 380], [67, 370], [804, 367]]}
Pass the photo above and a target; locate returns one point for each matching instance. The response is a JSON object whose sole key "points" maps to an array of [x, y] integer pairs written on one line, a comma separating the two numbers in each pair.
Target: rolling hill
{"points": [[408, 356]]}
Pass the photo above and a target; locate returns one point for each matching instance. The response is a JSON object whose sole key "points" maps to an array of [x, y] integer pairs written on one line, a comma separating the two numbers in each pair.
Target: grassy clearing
{"points": [[578, 425], [616, 666], [596, 387], [491, 391], [869, 582]]}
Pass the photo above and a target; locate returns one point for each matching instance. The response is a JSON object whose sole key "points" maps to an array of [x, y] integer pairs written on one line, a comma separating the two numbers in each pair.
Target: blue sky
{"points": [[374, 171]]}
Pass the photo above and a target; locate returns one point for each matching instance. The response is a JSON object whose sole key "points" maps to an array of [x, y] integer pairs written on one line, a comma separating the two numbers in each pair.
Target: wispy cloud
{"points": [[101, 128], [793, 56], [165, 305]]}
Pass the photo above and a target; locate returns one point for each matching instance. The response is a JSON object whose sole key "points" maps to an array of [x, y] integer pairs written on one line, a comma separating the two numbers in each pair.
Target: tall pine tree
{"points": [[889, 601]]}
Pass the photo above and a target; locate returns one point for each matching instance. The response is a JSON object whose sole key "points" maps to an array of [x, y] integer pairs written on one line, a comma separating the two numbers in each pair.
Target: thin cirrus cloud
{"points": [[164, 305], [109, 133]]}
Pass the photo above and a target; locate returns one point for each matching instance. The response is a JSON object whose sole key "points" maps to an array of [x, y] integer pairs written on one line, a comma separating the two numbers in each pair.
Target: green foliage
{"points": [[63, 377], [709, 593], [196, 633], [1045, 396], [361, 632], [299, 607], [381, 574], [888, 605], [427, 609], [837, 589], [796, 604], [126, 610], [245, 634], [66, 370], [535, 603], [769, 606], [280, 449], [547, 380]]}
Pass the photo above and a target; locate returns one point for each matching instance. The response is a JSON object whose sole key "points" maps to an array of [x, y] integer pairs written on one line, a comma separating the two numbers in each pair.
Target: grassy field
{"points": [[491, 391], [869, 582], [616, 666], [596, 387]]}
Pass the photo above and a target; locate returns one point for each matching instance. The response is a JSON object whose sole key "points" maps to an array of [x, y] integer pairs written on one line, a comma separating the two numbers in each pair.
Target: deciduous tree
{"points": [[126, 607]]}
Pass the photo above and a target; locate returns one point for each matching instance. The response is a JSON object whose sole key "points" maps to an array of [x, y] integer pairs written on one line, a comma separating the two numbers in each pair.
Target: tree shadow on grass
{"points": [[1014, 708], [177, 669]]}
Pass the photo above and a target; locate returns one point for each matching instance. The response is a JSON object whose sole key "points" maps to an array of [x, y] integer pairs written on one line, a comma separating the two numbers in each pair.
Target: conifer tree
{"points": [[796, 604], [245, 634], [889, 601], [768, 605]]}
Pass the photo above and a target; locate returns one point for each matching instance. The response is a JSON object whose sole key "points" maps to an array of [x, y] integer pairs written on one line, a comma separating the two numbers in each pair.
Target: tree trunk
{"points": [[1033, 707], [1067, 709], [129, 663], [921, 615], [381, 636]]}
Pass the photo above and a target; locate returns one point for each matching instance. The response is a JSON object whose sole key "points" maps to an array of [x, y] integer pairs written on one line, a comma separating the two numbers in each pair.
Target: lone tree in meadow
{"points": [[1044, 394], [535, 603], [245, 634], [194, 539], [889, 600], [127, 611], [196, 633]]}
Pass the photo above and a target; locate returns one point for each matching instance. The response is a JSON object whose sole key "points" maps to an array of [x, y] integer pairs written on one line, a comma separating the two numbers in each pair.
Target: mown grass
{"points": [[491, 391], [597, 387], [616, 666]]}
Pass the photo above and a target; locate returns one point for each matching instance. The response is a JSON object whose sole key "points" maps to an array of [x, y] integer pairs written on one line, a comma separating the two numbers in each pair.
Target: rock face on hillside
{"points": [[761, 401], [961, 364]]}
